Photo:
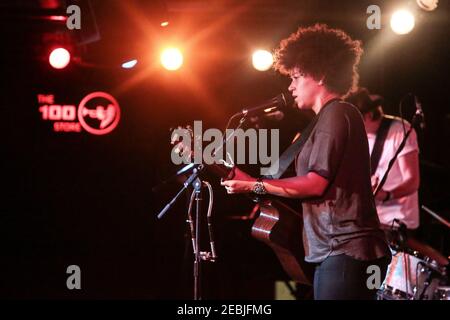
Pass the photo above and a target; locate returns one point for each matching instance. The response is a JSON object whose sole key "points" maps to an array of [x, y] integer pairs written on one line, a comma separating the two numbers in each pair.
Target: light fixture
{"points": [[171, 58], [262, 60], [402, 21], [59, 58], [129, 64], [427, 5]]}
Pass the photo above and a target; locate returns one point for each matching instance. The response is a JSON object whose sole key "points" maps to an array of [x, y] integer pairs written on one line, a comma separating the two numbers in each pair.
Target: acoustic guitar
{"points": [[277, 225]]}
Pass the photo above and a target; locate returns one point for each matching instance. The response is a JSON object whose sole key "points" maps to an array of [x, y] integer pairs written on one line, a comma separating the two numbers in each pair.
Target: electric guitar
{"points": [[277, 225]]}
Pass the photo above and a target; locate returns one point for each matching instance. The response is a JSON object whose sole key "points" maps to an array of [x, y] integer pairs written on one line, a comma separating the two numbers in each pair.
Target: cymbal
{"points": [[427, 251]]}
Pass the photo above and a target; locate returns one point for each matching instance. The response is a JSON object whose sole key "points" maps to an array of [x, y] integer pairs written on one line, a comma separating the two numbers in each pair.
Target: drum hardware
{"points": [[412, 276], [442, 293]]}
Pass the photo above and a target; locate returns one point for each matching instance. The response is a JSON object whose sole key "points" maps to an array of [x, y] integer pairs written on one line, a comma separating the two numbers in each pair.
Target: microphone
{"points": [[419, 112], [276, 115], [278, 102]]}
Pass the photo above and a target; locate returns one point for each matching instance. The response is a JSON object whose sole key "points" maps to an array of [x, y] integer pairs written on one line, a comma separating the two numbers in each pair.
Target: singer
{"points": [[341, 229]]}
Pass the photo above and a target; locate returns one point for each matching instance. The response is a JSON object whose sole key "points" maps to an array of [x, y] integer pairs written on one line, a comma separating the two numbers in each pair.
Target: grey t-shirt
{"points": [[344, 219]]}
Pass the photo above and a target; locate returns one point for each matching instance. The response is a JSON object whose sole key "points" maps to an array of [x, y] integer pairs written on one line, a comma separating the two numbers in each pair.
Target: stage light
{"points": [[129, 64], [171, 58], [57, 18], [262, 60], [164, 23], [402, 21], [59, 58], [427, 5]]}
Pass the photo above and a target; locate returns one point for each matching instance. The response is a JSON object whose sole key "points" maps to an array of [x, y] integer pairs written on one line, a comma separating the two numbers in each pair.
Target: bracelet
{"points": [[259, 188]]}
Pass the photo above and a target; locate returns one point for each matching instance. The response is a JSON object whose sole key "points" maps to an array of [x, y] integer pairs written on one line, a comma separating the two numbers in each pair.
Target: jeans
{"points": [[342, 277]]}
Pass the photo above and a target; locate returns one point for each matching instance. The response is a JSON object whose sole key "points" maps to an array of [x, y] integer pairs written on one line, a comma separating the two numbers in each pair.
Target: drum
{"points": [[442, 293], [411, 277]]}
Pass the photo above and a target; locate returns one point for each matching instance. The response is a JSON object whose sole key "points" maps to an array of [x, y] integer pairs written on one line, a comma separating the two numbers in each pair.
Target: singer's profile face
{"points": [[303, 88]]}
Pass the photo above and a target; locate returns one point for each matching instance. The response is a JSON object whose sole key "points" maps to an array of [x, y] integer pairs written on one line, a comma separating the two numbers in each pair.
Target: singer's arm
{"points": [[310, 185]]}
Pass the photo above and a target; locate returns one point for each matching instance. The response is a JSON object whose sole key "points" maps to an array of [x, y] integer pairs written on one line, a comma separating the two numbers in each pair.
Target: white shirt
{"points": [[405, 209]]}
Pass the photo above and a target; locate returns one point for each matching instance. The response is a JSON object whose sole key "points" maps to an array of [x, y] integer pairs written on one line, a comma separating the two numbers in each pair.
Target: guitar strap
{"points": [[295, 148], [379, 143]]}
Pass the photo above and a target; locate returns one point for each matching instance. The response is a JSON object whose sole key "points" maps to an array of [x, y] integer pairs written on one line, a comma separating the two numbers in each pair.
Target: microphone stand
{"points": [[436, 216], [196, 182], [198, 199], [183, 170], [192, 178], [197, 185]]}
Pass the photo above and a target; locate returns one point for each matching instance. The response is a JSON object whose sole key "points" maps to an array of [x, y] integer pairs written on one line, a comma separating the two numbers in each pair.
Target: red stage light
{"points": [[59, 58], [57, 18]]}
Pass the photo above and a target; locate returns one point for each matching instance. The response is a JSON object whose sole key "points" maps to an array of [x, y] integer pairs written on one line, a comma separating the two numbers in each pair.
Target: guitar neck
{"points": [[221, 170]]}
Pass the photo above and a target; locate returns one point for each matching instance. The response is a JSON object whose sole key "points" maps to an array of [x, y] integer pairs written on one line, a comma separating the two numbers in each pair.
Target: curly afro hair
{"points": [[321, 52]]}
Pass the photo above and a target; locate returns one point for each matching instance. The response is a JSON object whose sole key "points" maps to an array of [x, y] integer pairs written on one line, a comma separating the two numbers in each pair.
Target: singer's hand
{"points": [[241, 182]]}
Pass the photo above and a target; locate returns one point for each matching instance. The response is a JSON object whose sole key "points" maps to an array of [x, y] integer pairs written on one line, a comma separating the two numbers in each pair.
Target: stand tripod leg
{"points": [[197, 262]]}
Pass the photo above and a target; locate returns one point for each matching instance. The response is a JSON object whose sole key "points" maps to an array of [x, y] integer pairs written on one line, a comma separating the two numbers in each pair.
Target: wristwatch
{"points": [[259, 188]]}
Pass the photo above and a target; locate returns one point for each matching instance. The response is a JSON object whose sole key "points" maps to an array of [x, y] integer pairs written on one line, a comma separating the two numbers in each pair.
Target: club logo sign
{"points": [[98, 113]]}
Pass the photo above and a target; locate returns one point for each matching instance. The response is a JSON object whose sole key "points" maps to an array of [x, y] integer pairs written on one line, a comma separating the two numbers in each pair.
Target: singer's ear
{"points": [[321, 81]]}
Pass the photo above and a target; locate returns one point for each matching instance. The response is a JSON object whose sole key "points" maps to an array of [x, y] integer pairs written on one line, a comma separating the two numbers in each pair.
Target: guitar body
{"points": [[280, 227]]}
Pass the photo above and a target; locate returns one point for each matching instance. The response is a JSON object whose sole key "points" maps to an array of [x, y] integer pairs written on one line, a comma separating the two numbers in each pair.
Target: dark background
{"points": [[77, 198]]}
